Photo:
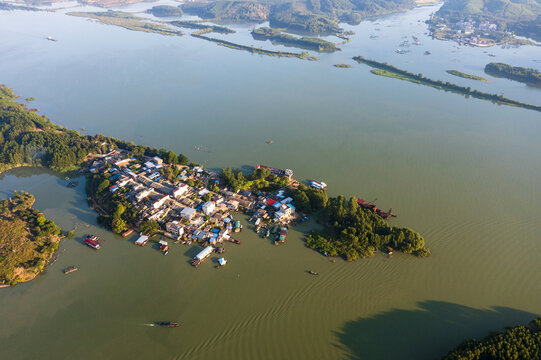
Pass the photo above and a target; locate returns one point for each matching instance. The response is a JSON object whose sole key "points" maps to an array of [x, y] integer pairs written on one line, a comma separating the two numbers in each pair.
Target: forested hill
{"points": [[314, 16], [520, 16]]}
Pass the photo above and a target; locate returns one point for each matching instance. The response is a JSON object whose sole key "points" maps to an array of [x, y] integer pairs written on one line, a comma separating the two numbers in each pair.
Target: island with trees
{"points": [[165, 11], [521, 74], [27, 239], [518, 342], [192, 24], [384, 69], [309, 43], [466, 76]]}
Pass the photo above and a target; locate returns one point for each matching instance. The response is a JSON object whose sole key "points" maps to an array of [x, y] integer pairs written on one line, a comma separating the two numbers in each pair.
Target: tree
{"points": [[149, 227], [118, 225], [183, 159]]}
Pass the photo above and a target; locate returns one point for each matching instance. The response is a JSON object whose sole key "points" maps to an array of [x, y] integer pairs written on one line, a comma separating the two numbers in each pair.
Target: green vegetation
{"points": [[343, 66], [28, 99], [309, 16], [308, 199], [466, 76], [260, 179], [165, 10], [276, 35], [522, 17], [149, 227], [199, 26], [522, 74], [234, 11], [519, 342], [27, 239], [127, 21], [253, 50], [27, 138], [353, 232], [384, 69]]}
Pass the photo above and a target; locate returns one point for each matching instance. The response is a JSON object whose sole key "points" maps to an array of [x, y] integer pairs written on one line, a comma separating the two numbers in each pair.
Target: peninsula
{"points": [[384, 69], [134, 187], [27, 239]]}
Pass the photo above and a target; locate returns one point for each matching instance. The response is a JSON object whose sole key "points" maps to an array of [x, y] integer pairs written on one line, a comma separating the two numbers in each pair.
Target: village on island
{"points": [[194, 213]]}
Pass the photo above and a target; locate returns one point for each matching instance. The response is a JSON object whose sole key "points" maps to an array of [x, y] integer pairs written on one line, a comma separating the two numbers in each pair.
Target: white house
{"points": [[156, 204], [232, 204], [180, 190], [187, 213], [208, 207]]}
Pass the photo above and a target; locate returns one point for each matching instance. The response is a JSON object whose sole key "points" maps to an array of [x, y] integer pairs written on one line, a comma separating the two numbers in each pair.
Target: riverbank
{"points": [[384, 69]]}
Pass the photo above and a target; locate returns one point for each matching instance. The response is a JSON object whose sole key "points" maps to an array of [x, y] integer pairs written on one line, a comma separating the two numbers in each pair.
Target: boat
{"points": [[164, 247], [389, 251], [127, 233], [92, 241], [428, 52], [166, 324], [312, 272], [50, 38], [268, 233], [320, 185], [73, 184], [221, 263], [70, 269], [270, 142]]}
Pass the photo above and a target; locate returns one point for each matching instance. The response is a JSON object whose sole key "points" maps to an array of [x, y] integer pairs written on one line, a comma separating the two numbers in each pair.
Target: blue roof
{"points": [[215, 230], [291, 206]]}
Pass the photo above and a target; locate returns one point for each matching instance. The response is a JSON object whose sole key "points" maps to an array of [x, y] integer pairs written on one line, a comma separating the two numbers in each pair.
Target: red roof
{"points": [[91, 242], [271, 202]]}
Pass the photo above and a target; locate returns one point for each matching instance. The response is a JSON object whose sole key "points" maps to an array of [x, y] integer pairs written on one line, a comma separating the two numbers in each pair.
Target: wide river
{"points": [[465, 173]]}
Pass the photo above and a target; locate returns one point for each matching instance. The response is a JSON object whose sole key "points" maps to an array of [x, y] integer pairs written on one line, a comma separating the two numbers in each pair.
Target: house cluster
{"points": [[469, 32], [188, 213]]}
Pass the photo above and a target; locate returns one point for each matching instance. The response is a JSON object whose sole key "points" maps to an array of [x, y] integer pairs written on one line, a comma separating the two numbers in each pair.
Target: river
{"points": [[465, 173]]}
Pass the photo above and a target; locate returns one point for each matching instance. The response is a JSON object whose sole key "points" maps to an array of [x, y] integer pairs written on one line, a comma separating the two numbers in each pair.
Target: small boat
{"points": [[92, 241], [312, 272], [164, 247], [127, 233], [428, 52], [270, 142], [73, 184], [166, 324], [70, 269], [389, 251], [50, 38]]}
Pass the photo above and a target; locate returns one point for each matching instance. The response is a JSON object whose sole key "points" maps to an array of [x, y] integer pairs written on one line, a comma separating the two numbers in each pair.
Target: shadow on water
{"points": [[427, 333]]}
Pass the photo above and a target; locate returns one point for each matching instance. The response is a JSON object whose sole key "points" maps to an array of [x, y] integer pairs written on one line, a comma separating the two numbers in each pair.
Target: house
{"points": [[232, 204], [142, 240], [157, 160], [208, 207], [174, 228], [180, 190], [187, 213], [158, 203]]}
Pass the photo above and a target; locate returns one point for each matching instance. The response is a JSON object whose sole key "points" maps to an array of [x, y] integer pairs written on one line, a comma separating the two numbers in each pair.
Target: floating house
{"points": [[142, 240], [203, 254]]}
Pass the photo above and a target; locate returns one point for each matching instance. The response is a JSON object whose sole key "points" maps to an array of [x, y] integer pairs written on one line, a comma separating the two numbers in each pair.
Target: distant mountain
{"points": [[313, 16]]}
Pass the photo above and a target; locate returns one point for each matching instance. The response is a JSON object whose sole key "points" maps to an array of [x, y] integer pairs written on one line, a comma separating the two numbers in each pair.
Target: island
{"points": [[521, 74], [27, 240], [191, 24], [518, 342], [309, 43], [127, 21], [384, 69], [487, 22], [342, 66], [134, 187], [165, 11], [466, 76]]}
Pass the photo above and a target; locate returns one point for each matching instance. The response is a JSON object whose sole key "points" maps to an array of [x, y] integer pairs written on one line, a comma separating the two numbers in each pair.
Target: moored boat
{"points": [[312, 272], [70, 269], [92, 241]]}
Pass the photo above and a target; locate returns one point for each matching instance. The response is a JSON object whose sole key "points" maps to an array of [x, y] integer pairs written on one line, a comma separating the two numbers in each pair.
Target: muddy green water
{"points": [[463, 172]]}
